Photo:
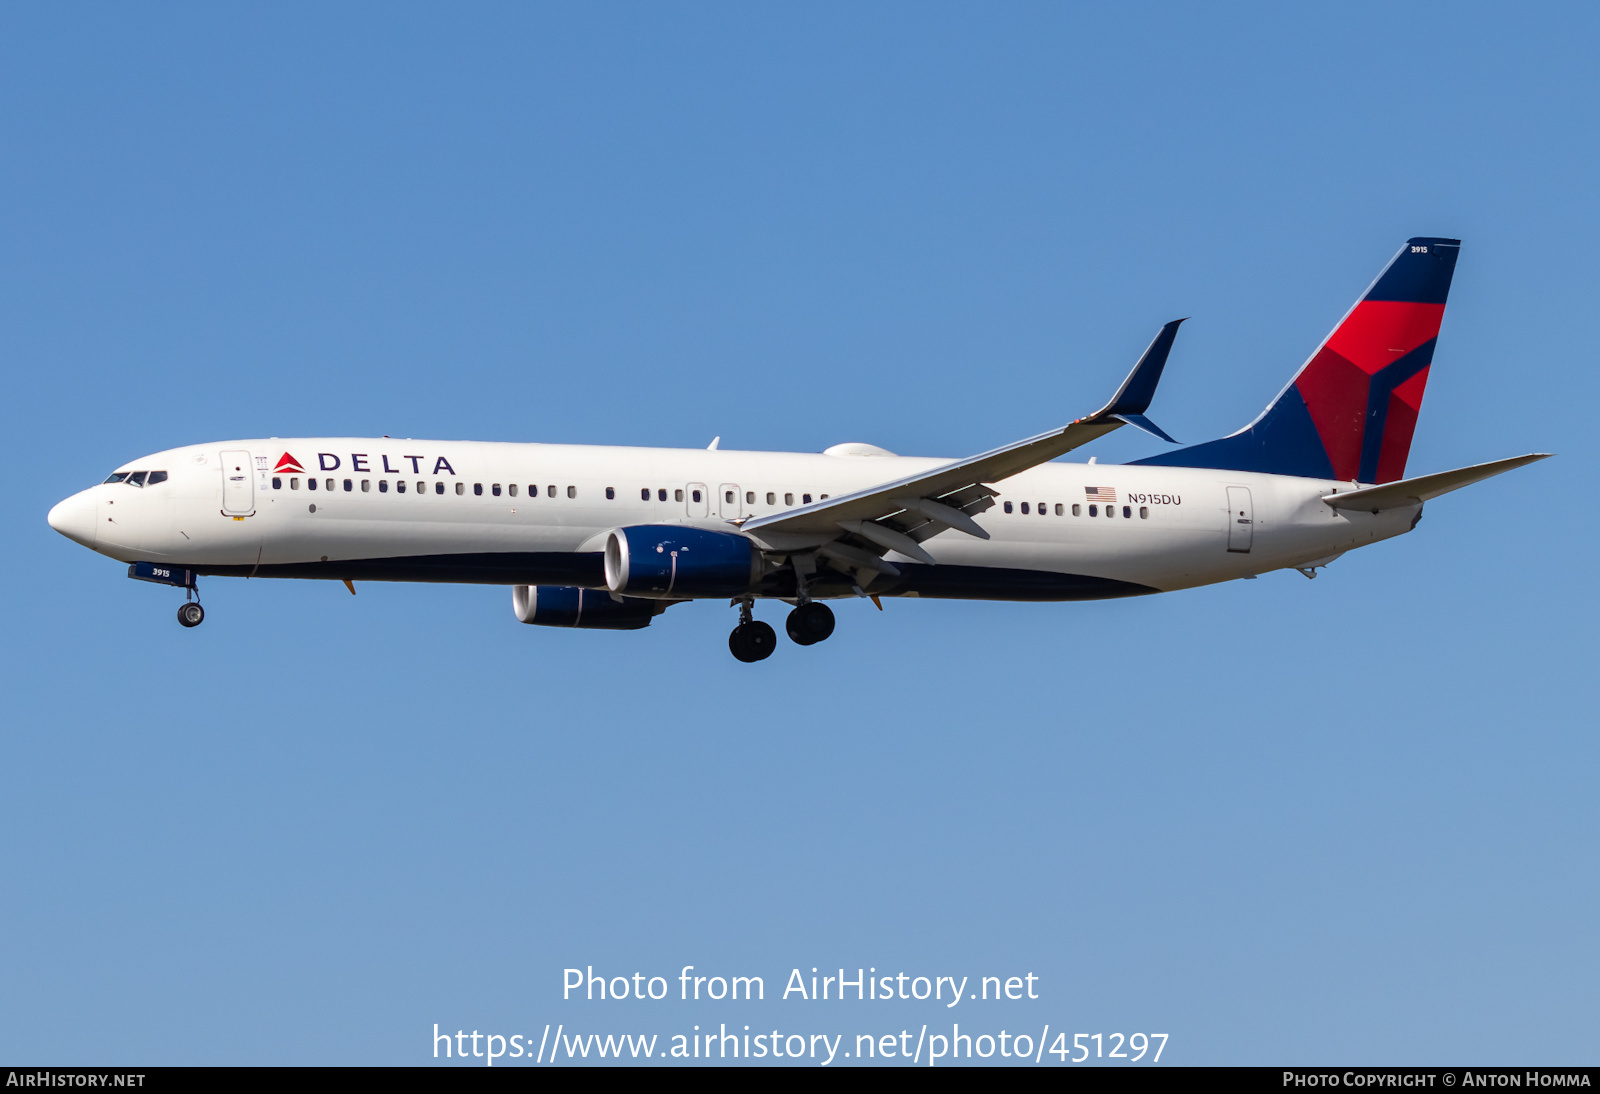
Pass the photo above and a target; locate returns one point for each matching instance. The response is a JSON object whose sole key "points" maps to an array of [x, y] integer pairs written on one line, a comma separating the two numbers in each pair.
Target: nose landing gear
{"points": [[191, 614], [752, 640]]}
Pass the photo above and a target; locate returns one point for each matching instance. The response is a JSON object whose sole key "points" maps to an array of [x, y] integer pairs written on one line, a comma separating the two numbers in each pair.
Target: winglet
{"points": [[1139, 421], [1133, 397]]}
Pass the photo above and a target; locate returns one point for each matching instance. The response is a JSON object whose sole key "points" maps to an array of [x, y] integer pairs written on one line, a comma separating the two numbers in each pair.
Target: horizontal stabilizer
{"points": [[1398, 495]]}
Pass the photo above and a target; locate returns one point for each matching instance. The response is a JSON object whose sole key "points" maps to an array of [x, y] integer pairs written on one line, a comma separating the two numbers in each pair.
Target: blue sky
{"points": [[1282, 821]]}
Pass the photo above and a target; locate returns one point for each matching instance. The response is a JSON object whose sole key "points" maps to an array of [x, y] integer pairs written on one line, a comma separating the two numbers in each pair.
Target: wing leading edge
{"points": [[857, 529]]}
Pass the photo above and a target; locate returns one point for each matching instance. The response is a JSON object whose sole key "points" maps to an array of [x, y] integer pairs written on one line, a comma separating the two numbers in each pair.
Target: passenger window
{"points": [[136, 478], [824, 497], [788, 499], [294, 483], [695, 495], [495, 490], [644, 495], [461, 488], [1127, 511], [772, 499], [155, 477], [1077, 510], [749, 497], [805, 499], [399, 485], [1024, 508], [572, 491], [277, 484], [533, 491], [661, 495], [1007, 507], [677, 495], [611, 493], [327, 484], [118, 477], [311, 484], [349, 486], [1058, 509], [366, 486], [511, 488], [727, 496], [477, 488], [1144, 513], [1043, 509], [438, 488], [1094, 510], [550, 491], [383, 485]]}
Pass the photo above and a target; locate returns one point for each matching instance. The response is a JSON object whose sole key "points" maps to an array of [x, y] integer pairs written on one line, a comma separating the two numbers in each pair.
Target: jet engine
{"points": [[670, 562], [585, 609]]}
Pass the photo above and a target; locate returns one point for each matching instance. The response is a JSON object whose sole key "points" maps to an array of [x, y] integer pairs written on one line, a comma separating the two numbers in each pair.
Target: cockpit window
{"points": [[118, 477], [136, 478], [155, 477]]}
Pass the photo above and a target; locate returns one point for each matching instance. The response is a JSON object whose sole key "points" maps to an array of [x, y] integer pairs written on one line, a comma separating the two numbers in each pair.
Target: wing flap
{"points": [[963, 477]]}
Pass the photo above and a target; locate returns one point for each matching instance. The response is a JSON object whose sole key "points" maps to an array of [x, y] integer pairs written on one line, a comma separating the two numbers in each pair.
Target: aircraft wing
{"points": [[1398, 495], [898, 515]]}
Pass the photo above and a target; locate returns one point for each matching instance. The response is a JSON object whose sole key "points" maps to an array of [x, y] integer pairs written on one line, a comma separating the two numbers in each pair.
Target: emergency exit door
{"points": [[728, 501], [238, 490], [1241, 519], [696, 500]]}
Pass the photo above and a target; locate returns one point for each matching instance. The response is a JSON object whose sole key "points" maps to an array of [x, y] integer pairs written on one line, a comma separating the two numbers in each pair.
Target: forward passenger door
{"points": [[238, 491]]}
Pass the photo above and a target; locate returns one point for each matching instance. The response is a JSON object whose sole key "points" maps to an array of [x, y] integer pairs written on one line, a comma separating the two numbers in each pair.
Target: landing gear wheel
{"points": [[191, 614], [753, 641], [810, 623]]}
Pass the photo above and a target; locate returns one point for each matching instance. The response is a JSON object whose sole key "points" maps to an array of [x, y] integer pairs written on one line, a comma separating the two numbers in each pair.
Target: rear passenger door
{"points": [[1241, 520]]}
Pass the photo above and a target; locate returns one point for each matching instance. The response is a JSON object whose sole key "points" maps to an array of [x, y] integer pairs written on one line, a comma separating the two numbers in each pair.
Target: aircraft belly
{"points": [[326, 535], [1153, 558]]}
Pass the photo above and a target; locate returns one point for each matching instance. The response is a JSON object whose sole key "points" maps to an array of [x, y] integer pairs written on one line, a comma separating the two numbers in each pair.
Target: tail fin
{"points": [[1350, 411]]}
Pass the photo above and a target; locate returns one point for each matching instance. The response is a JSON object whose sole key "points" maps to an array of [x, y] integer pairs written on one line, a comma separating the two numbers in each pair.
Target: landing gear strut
{"points": [[752, 640], [190, 613], [810, 623]]}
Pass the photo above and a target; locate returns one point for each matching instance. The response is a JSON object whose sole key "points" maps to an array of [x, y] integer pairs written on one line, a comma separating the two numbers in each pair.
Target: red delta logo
{"points": [[288, 463]]}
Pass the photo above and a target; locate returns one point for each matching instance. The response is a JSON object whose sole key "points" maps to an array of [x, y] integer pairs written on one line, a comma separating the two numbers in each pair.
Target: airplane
{"points": [[609, 537]]}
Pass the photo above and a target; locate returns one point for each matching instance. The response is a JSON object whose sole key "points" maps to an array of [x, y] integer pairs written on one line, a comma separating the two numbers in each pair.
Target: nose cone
{"points": [[74, 518]]}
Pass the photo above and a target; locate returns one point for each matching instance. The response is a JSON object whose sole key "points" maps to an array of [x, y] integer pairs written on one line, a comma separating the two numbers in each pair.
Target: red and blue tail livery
{"points": [[1350, 411]]}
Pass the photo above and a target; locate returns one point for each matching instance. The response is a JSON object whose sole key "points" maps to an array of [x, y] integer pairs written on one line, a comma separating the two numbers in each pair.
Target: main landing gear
{"points": [[752, 640], [810, 623]]}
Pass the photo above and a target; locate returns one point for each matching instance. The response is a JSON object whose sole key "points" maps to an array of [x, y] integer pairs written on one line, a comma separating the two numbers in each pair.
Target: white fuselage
{"points": [[240, 504]]}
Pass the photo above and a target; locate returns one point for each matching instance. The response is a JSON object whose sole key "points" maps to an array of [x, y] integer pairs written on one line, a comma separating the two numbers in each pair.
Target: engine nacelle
{"points": [[670, 561], [585, 609]]}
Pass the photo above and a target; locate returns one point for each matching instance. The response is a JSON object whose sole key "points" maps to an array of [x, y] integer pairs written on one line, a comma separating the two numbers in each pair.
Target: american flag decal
{"points": [[1101, 493]]}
